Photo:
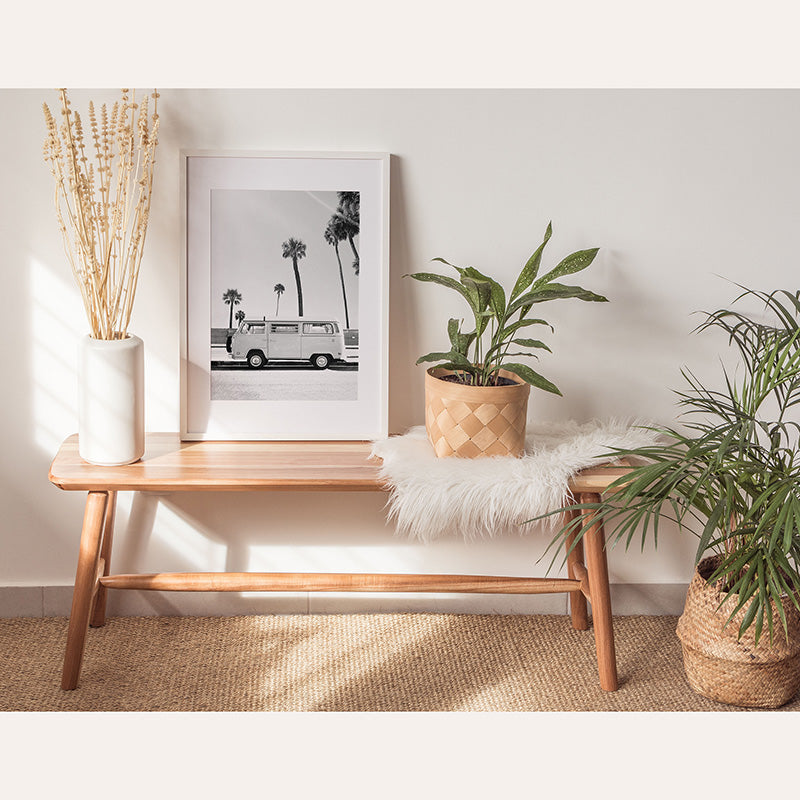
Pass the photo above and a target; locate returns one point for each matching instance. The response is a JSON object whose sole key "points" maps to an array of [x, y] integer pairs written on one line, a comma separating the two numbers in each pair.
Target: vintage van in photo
{"points": [[258, 342]]}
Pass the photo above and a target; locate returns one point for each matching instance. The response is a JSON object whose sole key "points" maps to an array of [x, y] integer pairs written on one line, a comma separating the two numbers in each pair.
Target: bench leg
{"points": [[85, 579], [98, 618], [577, 602], [599, 592]]}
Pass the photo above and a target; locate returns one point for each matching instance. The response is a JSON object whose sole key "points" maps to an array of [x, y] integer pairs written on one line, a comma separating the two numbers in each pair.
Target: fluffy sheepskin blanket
{"points": [[430, 497]]}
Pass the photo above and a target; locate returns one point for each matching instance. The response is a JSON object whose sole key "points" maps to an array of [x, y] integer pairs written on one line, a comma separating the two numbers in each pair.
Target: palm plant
{"points": [[335, 232], [231, 297], [239, 316], [348, 213], [733, 476], [279, 289], [295, 249]]}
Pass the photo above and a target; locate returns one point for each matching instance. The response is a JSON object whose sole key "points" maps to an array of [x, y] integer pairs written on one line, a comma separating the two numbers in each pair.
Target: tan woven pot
{"points": [[474, 421], [730, 670]]}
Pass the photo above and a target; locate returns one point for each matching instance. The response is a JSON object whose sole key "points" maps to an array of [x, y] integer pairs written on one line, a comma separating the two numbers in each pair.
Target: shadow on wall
{"points": [[283, 532], [405, 397]]}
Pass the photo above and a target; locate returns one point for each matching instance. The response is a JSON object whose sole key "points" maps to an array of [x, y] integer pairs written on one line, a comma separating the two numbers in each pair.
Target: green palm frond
{"points": [[732, 475]]}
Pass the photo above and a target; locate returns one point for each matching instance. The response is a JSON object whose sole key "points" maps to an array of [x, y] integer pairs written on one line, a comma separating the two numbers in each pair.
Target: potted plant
{"points": [[103, 180], [732, 477], [476, 396]]}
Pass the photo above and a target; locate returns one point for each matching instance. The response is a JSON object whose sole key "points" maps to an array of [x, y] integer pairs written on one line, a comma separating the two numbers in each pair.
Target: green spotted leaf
{"points": [[531, 377], [531, 268]]}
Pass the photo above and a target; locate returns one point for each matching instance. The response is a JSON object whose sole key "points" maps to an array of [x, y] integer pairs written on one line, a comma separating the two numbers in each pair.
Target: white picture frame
{"points": [[246, 215]]}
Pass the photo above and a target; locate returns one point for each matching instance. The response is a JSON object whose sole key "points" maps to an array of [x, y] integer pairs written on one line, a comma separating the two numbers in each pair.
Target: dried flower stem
{"points": [[103, 203]]}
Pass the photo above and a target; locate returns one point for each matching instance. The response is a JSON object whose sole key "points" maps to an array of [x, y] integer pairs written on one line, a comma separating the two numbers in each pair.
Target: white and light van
{"points": [[259, 341]]}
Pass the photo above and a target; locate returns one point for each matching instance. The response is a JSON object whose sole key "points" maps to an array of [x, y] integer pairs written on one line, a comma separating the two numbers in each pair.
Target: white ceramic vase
{"points": [[111, 400]]}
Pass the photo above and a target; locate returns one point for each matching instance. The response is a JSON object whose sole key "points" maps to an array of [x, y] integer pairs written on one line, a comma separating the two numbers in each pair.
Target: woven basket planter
{"points": [[475, 421], [730, 670]]}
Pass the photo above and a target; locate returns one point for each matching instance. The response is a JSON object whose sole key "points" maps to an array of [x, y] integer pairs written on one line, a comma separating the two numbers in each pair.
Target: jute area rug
{"points": [[370, 662]]}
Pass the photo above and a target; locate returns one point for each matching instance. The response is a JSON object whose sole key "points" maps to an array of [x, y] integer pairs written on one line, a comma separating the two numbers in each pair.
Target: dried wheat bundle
{"points": [[102, 199]]}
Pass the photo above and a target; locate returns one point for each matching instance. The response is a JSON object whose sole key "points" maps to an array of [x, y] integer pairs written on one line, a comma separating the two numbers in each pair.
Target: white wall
{"points": [[676, 187]]}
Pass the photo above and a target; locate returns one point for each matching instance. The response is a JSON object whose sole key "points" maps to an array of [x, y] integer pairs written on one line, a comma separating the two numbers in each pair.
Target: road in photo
{"points": [[284, 382]]}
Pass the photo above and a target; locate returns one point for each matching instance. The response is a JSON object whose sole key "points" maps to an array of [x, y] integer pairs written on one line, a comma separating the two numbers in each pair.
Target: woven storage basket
{"points": [[474, 421], [730, 670]]}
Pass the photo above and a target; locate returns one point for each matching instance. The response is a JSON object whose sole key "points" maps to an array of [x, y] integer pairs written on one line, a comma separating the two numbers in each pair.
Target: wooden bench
{"points": [[172, 465]]}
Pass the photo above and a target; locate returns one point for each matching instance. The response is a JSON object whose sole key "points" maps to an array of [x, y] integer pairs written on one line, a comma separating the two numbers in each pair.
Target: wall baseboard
{"points": [[627, 599]]}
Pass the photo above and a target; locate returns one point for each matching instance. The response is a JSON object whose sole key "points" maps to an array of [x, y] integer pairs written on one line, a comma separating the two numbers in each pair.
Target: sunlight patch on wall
{"points": [[333, 558], [189, 547], [57, 325], [54, 336]]}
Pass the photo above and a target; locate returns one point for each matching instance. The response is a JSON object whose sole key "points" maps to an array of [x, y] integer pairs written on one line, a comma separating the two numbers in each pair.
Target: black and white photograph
{"points": [[285, 273], [285, 295]]}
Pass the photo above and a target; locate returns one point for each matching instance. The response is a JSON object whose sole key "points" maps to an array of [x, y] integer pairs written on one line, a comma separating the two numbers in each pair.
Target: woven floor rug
{"points": [[481, 497], [369, 662]]}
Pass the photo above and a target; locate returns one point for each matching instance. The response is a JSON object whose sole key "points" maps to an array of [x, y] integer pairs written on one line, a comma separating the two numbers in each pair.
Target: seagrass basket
{"points": [[730, 670], [475, 421]]}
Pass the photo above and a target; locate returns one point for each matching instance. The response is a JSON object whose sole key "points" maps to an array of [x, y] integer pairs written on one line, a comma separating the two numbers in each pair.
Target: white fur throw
{"points": [[480, 497]]}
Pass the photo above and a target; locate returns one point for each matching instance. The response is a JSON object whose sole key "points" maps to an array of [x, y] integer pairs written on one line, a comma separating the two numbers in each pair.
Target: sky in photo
{"points": [[248, 228]]}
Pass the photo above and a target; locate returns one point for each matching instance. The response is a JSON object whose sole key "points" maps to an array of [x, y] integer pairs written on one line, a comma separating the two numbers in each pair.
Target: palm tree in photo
{"points": [[239, 315], [232, 297], [334, 233], [349, 212], [279, 289], [295, 249]]}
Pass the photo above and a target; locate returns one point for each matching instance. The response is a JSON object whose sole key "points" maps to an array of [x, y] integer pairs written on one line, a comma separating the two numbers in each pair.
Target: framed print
{"points": [[285, 296]]}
